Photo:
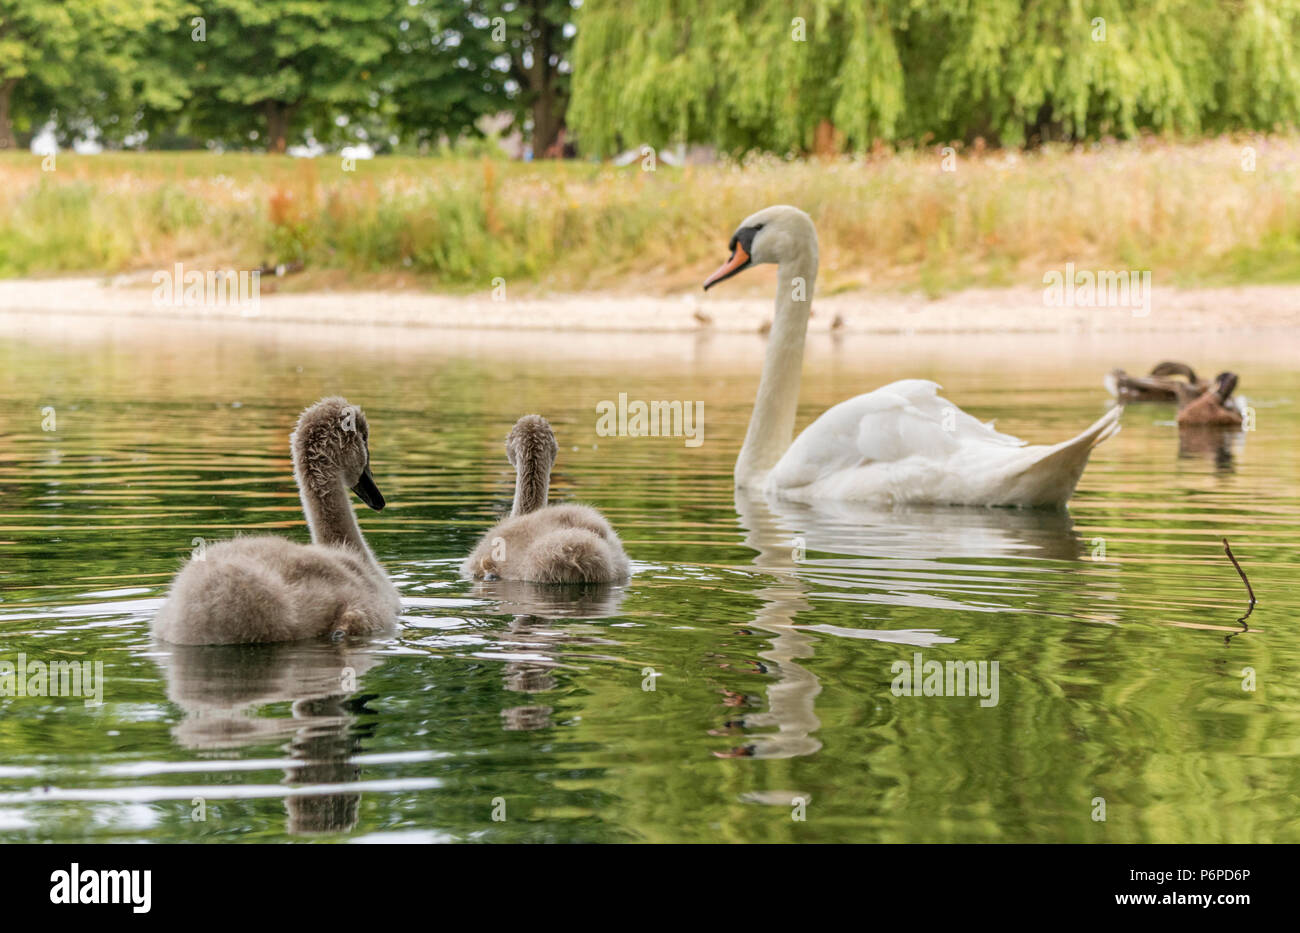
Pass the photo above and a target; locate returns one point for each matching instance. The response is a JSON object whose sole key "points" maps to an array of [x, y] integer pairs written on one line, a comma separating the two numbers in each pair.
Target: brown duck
{"points": [[1211, 406], [1159, 386]]}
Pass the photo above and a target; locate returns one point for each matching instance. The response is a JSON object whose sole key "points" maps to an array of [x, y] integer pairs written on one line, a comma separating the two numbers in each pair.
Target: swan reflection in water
{"points": [[223, 688], [537, 644], [907, 557]]}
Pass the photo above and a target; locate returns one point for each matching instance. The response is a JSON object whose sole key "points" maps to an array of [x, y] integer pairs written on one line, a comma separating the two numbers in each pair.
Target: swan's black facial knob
{"points": [[742, 248]]}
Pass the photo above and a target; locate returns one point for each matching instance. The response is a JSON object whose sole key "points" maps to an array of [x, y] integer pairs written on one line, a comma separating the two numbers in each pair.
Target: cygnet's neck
{"points": [[532, 481], [328, 506]]}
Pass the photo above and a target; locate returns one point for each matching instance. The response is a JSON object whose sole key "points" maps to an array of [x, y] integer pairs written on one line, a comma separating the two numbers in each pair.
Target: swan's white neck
{"points": [[771, 427]]}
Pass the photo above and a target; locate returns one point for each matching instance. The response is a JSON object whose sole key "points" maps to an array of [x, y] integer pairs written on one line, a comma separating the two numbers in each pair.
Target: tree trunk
{"points": [[278, 118], [7, 140], [546, 128], [541, 81], [827, 140]]}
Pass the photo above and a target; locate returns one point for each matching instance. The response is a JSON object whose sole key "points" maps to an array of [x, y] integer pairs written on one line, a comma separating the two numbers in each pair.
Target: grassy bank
{"points": [[1189, 212]]}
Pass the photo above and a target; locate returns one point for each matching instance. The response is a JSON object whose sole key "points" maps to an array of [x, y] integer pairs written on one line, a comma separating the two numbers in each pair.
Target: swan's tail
{"points": [[573, 555], [1052, 473], [224, 602]]}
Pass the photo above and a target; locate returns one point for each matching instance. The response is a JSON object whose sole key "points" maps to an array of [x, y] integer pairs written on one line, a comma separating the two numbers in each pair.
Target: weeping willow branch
{"points": [[768, 74]]}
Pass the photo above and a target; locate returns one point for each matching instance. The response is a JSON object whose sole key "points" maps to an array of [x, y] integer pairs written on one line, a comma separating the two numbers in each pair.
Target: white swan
{"points": [[902, 443], [268, 589], [542, 543]]}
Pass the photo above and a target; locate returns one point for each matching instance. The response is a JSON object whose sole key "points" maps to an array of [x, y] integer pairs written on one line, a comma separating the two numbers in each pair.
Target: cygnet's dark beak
{"points": [[368, 492]]}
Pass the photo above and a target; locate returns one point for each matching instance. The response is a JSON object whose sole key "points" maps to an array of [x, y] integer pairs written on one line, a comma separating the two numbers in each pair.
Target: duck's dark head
{"points": [[1224, 385]]}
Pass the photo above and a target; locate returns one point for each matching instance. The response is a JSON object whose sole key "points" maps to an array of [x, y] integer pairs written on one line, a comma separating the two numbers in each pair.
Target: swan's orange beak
{"points": [[739, 259]]}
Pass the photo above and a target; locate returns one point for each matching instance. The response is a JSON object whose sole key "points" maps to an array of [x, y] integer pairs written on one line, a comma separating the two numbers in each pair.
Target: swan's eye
{"points": [[757, 227]]}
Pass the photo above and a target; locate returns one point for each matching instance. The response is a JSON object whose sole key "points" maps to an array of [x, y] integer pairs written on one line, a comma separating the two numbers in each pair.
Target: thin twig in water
{"points": [[1227, 549]]}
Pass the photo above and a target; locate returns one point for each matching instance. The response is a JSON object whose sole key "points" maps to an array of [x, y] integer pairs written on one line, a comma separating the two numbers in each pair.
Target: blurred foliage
{"points": [[829, 76], [252, 69], [90, 62], [273, 73], [1220, 211], [841, 75]]}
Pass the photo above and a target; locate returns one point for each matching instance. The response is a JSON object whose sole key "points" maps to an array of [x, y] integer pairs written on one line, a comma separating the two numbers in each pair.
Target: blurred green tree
{"points": [[268, 71], [276, 72], [444, 70], [536, 37], [842, 74], [85, 62]]}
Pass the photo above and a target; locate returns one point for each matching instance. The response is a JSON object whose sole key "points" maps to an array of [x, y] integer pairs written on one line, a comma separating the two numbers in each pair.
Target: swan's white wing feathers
{"points": [[904, 421]]}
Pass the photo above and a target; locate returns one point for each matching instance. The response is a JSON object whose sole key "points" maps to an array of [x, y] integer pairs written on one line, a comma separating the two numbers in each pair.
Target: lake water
{"points": [[737, 689]]}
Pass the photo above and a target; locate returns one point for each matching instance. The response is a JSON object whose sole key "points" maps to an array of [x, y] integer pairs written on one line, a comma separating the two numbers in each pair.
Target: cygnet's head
{"points": [[775, 234], [531, 441], [331, 442]]}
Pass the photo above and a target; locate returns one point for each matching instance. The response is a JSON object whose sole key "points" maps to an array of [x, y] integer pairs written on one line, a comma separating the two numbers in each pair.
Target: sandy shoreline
{"points": [[1010, 310]]}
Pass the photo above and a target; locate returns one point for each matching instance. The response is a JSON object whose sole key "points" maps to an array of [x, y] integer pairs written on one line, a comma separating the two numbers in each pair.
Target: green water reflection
{"points": [[746, 664]]}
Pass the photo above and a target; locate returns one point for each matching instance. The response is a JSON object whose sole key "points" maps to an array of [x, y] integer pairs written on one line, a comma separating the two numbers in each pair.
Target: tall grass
{"points": [[1191, 213]]}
